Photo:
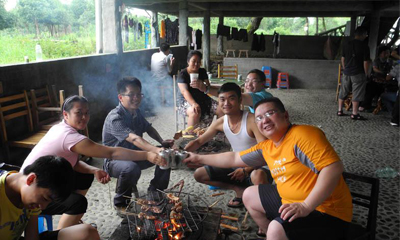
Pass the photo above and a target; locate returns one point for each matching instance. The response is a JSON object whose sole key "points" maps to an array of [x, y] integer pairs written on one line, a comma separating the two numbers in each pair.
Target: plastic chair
{"points": [[268, 76], [283, 80], [49, 223]]}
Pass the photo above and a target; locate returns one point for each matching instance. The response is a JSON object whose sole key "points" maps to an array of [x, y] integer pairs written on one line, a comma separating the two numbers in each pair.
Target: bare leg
{"points": [[276, 231], [340, 103], [355, 107], [201, 176], [79, 232], [68, 220], [258, 177], [193, 118], [253, 204]]}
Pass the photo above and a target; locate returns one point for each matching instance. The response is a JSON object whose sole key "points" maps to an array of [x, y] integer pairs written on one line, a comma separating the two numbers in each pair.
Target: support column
{"points": [[155, 35], [99, 26], [112, 38], [316, 26], [220, 40], [373, 33], [206, 40], [352, 26], [183, 22]]}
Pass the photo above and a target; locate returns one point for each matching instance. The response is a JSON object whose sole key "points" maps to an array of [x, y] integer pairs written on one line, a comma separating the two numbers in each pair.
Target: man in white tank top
{"points": [[242, 132]]}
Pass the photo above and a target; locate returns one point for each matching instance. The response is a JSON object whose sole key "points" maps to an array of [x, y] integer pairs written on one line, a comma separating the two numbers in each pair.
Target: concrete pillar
{"points": [[99, 26], [373, 33], [155, 35], [220, 40], [183, 22], [112, 38], [206, 40], [352, 26], [316, 26]]}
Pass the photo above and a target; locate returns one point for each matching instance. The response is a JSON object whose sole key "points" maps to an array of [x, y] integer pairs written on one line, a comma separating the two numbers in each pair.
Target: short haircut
{"points": [[360, 31], [192, 53], [276, 101], [54, 173], [69, 102], [164, 47], [126, 81], [230, 87], [259, 73], [383, 49]]}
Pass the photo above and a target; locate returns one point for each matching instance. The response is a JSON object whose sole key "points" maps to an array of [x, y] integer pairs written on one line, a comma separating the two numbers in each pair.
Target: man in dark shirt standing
{"points": [[124, 127], [355, 61]]}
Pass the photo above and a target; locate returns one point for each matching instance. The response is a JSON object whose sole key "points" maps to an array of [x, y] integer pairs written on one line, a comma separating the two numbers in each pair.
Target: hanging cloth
{"points": [[235, 34], [243, 35], [255, 44], [262, 43], [162, 29]]}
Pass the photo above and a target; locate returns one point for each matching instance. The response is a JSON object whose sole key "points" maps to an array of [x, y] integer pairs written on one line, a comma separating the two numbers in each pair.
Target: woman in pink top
{"points": [[64, 140]]}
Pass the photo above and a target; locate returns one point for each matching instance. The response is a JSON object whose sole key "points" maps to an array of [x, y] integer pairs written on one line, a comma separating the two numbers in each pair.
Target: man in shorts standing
{"points": [[310, 199], [355, 61]]}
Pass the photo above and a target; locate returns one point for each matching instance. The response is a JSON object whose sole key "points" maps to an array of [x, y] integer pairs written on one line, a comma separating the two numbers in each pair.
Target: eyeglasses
{"points": [[132, 95], [252, 81], [267, 114]]}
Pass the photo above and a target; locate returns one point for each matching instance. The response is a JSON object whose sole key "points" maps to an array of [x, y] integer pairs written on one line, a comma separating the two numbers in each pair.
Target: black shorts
{"points": [[76, 203], [47, 235], [316, 225], [221, 175]]}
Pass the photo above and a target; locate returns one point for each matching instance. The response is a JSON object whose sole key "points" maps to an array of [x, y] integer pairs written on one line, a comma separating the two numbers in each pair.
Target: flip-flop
{"points": [[236, 199], [357, 117], [340, 113]]}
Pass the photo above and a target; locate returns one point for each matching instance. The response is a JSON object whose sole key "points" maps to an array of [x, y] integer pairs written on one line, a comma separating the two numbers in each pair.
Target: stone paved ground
{"points": [[363, 146]]}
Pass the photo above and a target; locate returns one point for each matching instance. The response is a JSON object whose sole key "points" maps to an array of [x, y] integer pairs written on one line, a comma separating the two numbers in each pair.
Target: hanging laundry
{"points": [[162, 29], [172, 31], [140, 29], [131, 22], [243, 35], [261, 43], [189, 37], [254, 44], [125, 24], [276, 38], [235, 34]]}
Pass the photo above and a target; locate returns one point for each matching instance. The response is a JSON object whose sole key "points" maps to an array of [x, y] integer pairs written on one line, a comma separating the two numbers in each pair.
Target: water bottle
{"points": [[386, 172], [38, 53]]}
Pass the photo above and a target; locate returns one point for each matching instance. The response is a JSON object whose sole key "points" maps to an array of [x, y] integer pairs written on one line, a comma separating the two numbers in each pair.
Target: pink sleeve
{"points": [[72, 139]]}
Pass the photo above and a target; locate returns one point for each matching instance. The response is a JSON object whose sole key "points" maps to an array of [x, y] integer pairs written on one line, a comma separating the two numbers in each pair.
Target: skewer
{"points": [[230, 227], [217, 194], [230, 218], [215, 203]]}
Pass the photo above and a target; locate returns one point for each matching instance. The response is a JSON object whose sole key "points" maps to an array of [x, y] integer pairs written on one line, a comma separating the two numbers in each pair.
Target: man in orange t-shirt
{"points": [[310, 199]]}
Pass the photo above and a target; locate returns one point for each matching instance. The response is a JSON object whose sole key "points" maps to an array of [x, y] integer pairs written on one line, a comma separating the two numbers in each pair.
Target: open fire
{"points": [[166, 215]]}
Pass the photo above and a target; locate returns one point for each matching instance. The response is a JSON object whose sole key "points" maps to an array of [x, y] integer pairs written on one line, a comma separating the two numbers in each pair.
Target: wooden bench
{"points": [[13, 109]]}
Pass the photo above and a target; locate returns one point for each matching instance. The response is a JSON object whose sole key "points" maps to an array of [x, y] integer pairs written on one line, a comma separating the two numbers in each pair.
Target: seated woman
{"points": [[193, 100], [65, 141]]}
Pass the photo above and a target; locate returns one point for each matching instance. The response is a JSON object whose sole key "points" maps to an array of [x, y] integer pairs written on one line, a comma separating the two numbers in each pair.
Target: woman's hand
{"points": [[198, 84], [156, 159], [102, 176], [294, 210], [196, 108], [237, 175]]}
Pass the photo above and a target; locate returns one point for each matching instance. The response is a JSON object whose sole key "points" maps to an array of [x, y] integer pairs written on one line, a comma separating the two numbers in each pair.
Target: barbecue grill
{"points": [[194, 211]]}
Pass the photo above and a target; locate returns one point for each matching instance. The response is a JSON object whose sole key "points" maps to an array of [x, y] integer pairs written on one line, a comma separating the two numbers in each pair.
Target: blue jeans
{"points": [[128, 173], [388, 99]]}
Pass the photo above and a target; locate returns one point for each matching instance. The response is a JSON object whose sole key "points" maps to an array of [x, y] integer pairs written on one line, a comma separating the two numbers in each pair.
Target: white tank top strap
{"points": [[241, 140]]}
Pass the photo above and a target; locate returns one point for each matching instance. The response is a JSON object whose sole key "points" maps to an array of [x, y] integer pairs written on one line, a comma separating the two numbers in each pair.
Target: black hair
{"points": [[259, 73], [360, 31], [230, 87], [54, 173], [192, 53], [126, 81], [164, 47], [69, 102], [276, 101], [382, 49]]}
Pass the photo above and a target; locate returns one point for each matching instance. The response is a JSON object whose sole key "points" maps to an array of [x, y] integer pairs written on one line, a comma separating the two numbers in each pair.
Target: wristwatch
{"points": [[207, 90]]}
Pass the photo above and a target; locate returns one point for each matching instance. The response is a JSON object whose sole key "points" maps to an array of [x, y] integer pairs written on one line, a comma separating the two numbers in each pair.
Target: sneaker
{"points": [[394, 124], [121, 210]]}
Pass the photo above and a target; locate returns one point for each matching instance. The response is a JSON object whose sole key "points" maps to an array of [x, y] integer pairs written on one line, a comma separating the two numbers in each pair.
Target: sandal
{"points": [[238, 200], [340, 113], [357, 117], [261, 234]]}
